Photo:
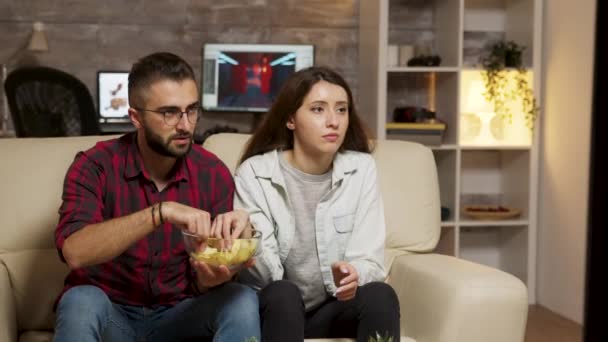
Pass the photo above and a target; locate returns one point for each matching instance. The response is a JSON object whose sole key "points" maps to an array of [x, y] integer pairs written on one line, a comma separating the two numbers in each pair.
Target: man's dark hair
{"points": [[155, 67]]}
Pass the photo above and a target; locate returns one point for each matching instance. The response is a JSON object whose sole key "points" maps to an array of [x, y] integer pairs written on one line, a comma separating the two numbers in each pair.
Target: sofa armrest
{"points": [[445, 299], [8, 315]]}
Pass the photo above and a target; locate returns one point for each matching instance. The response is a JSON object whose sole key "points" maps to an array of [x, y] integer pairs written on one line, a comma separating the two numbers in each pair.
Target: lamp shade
{"points": [[475, 101], [38, 40]]}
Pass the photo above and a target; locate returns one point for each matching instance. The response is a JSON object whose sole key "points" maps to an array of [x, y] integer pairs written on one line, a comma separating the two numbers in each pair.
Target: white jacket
{"points": [[349, 221]]}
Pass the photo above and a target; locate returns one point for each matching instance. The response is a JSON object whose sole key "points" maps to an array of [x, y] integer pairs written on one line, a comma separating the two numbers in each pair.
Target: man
{"points": [[124, 204]]}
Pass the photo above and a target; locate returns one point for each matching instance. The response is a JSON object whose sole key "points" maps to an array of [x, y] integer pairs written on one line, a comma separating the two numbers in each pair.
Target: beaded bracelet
{"points": [[153, 217], [160, 212]]}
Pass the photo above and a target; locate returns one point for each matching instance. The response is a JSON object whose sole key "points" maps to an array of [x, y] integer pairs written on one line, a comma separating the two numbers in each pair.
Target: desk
{"points": [[116, 127], [8, 134]]}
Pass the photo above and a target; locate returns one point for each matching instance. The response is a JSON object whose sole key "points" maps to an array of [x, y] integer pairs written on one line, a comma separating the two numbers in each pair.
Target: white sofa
{"points": [[443, 299]]}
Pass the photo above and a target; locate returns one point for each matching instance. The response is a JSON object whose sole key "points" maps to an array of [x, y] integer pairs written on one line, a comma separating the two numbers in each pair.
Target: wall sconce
{"points": [[37, 43], [479, 123]]}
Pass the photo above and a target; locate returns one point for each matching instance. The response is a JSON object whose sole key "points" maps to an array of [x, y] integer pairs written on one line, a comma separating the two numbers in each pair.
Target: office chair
{"points": [[46, 102]]}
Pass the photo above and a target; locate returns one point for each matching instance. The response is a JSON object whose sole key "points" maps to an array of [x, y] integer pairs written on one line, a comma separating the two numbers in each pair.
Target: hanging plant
{"points": [[505, 55]]}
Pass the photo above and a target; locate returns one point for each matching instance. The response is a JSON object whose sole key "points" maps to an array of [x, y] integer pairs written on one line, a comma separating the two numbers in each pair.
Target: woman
{"points": [[309, 183]]}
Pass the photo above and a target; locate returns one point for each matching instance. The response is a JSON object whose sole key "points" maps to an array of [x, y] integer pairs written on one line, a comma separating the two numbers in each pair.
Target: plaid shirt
{"points": [[109, 181]]}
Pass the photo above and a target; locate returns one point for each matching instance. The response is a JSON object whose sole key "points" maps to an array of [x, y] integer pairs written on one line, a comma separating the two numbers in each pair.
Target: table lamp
{"points": [[37, 43], [477, 105]]}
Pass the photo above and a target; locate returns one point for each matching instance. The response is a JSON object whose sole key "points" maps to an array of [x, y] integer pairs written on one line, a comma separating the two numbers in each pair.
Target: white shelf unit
{"points": [[459, 31]]}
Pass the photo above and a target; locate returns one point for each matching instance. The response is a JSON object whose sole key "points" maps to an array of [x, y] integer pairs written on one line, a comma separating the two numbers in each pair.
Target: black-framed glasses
{"points": [[173, 115]]}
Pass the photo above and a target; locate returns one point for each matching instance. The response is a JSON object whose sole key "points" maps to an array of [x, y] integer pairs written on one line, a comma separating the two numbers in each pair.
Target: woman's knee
{"points": [[281, 295], [379, 295], [282, 291]]}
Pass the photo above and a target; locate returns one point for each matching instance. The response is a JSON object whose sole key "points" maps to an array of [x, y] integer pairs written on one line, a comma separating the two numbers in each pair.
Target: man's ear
{"points": [[136, 118]]}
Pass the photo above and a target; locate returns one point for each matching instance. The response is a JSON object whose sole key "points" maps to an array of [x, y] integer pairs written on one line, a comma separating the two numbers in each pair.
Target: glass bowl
{"points": [[216, 251]]}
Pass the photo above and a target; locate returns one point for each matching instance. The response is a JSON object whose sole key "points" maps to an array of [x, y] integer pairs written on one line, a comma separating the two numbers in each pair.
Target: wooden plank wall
{"points": [[88, 35]]}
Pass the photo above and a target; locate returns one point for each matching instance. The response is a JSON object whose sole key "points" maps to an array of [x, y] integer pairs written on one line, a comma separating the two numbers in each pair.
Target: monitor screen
{"points": [[113, 96], [247, 77]]}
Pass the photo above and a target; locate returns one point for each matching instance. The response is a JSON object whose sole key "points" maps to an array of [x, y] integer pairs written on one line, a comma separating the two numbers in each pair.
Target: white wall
{"points": [[568, 55]]}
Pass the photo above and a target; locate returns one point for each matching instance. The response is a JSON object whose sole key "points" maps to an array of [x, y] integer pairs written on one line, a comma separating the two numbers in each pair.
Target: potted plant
{"points": [[379, 338], [505, 55]]}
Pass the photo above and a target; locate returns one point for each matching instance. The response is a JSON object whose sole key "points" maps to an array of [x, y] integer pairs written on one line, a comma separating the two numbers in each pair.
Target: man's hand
{"points": [[209, 276], [230, 225], [193, 220], [346, 280]]}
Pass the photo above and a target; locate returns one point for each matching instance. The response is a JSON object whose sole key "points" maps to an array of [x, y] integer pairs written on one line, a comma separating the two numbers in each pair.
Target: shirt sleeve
{"points": [[250, 196], [365, 251], [82, 202]]}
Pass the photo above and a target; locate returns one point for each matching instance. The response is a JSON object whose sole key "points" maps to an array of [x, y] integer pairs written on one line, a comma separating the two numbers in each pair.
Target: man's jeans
{"points": [[227, 313]]}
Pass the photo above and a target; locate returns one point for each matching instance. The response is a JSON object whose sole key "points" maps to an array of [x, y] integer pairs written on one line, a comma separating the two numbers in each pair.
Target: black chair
{"points": [[46, 102]]}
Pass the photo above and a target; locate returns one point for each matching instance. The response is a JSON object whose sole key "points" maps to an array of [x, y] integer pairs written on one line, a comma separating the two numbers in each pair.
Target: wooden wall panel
{"points": [[87, 35]]}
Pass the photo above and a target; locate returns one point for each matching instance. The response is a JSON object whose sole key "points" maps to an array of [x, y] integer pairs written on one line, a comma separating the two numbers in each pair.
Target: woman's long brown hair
{"points": [[272, 133]]}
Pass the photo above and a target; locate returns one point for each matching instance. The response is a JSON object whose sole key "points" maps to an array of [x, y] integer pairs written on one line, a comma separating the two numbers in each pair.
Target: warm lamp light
{"points": [[38, 40], [37, 43], [480, 107], [480, 125]]}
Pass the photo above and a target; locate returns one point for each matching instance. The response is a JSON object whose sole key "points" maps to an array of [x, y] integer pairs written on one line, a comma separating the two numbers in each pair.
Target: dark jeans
{"points": [[375, 309]]}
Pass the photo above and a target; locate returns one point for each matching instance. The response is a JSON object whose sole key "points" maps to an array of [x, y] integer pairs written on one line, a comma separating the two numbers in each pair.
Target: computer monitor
{"points": [[247, 77], [113, 96]]}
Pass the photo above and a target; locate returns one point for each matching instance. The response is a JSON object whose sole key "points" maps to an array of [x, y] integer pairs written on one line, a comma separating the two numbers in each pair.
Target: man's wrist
{"points": [[199, 289]]}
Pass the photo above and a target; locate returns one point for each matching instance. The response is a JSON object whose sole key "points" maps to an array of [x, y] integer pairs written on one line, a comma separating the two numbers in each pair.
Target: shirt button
{"points": [[156, 253]]}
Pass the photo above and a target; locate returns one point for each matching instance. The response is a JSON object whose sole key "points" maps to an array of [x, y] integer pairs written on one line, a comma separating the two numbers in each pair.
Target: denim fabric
{"points": [[227, 313]]}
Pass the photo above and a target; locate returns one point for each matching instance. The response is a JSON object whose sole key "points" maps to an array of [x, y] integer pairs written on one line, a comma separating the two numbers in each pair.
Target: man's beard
{"points": [[156, 143]]}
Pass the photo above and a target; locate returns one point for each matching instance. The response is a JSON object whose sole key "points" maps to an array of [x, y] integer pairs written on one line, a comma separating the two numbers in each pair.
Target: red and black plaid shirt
{"points": [[109, 181]]}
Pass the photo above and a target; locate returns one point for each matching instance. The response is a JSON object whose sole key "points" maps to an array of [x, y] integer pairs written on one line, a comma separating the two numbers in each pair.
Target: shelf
{"points": [[481, 157], [431, 27], [422, 69], [427, 90], [478, 68], [444, 147], [486, 22], [492, 223], [495, 177], [494, 148]]}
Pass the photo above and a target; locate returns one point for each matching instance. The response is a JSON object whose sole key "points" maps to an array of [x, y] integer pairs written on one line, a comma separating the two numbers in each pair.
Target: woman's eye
{"points": [[343, 110], [316, 109]]}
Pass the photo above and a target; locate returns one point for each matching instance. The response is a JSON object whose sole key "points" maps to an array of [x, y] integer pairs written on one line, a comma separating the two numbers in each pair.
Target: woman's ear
{"points": [[290, 124]]}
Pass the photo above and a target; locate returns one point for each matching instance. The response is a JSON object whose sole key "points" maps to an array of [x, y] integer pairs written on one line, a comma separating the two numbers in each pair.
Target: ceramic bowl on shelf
{"points": [[490, 212], [216, 252]]}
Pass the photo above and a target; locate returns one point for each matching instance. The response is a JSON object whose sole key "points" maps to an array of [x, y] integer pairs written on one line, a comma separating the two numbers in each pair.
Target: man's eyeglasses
{"points": [[173, 115]]}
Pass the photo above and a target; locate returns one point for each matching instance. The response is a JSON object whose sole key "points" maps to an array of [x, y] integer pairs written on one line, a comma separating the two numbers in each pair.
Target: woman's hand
{"points": [[346, 280]]}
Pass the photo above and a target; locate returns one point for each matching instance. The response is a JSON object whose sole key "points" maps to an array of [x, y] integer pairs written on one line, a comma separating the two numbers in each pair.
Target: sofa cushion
{"points": [[36, 277], [31, 193], [410, 192]]}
